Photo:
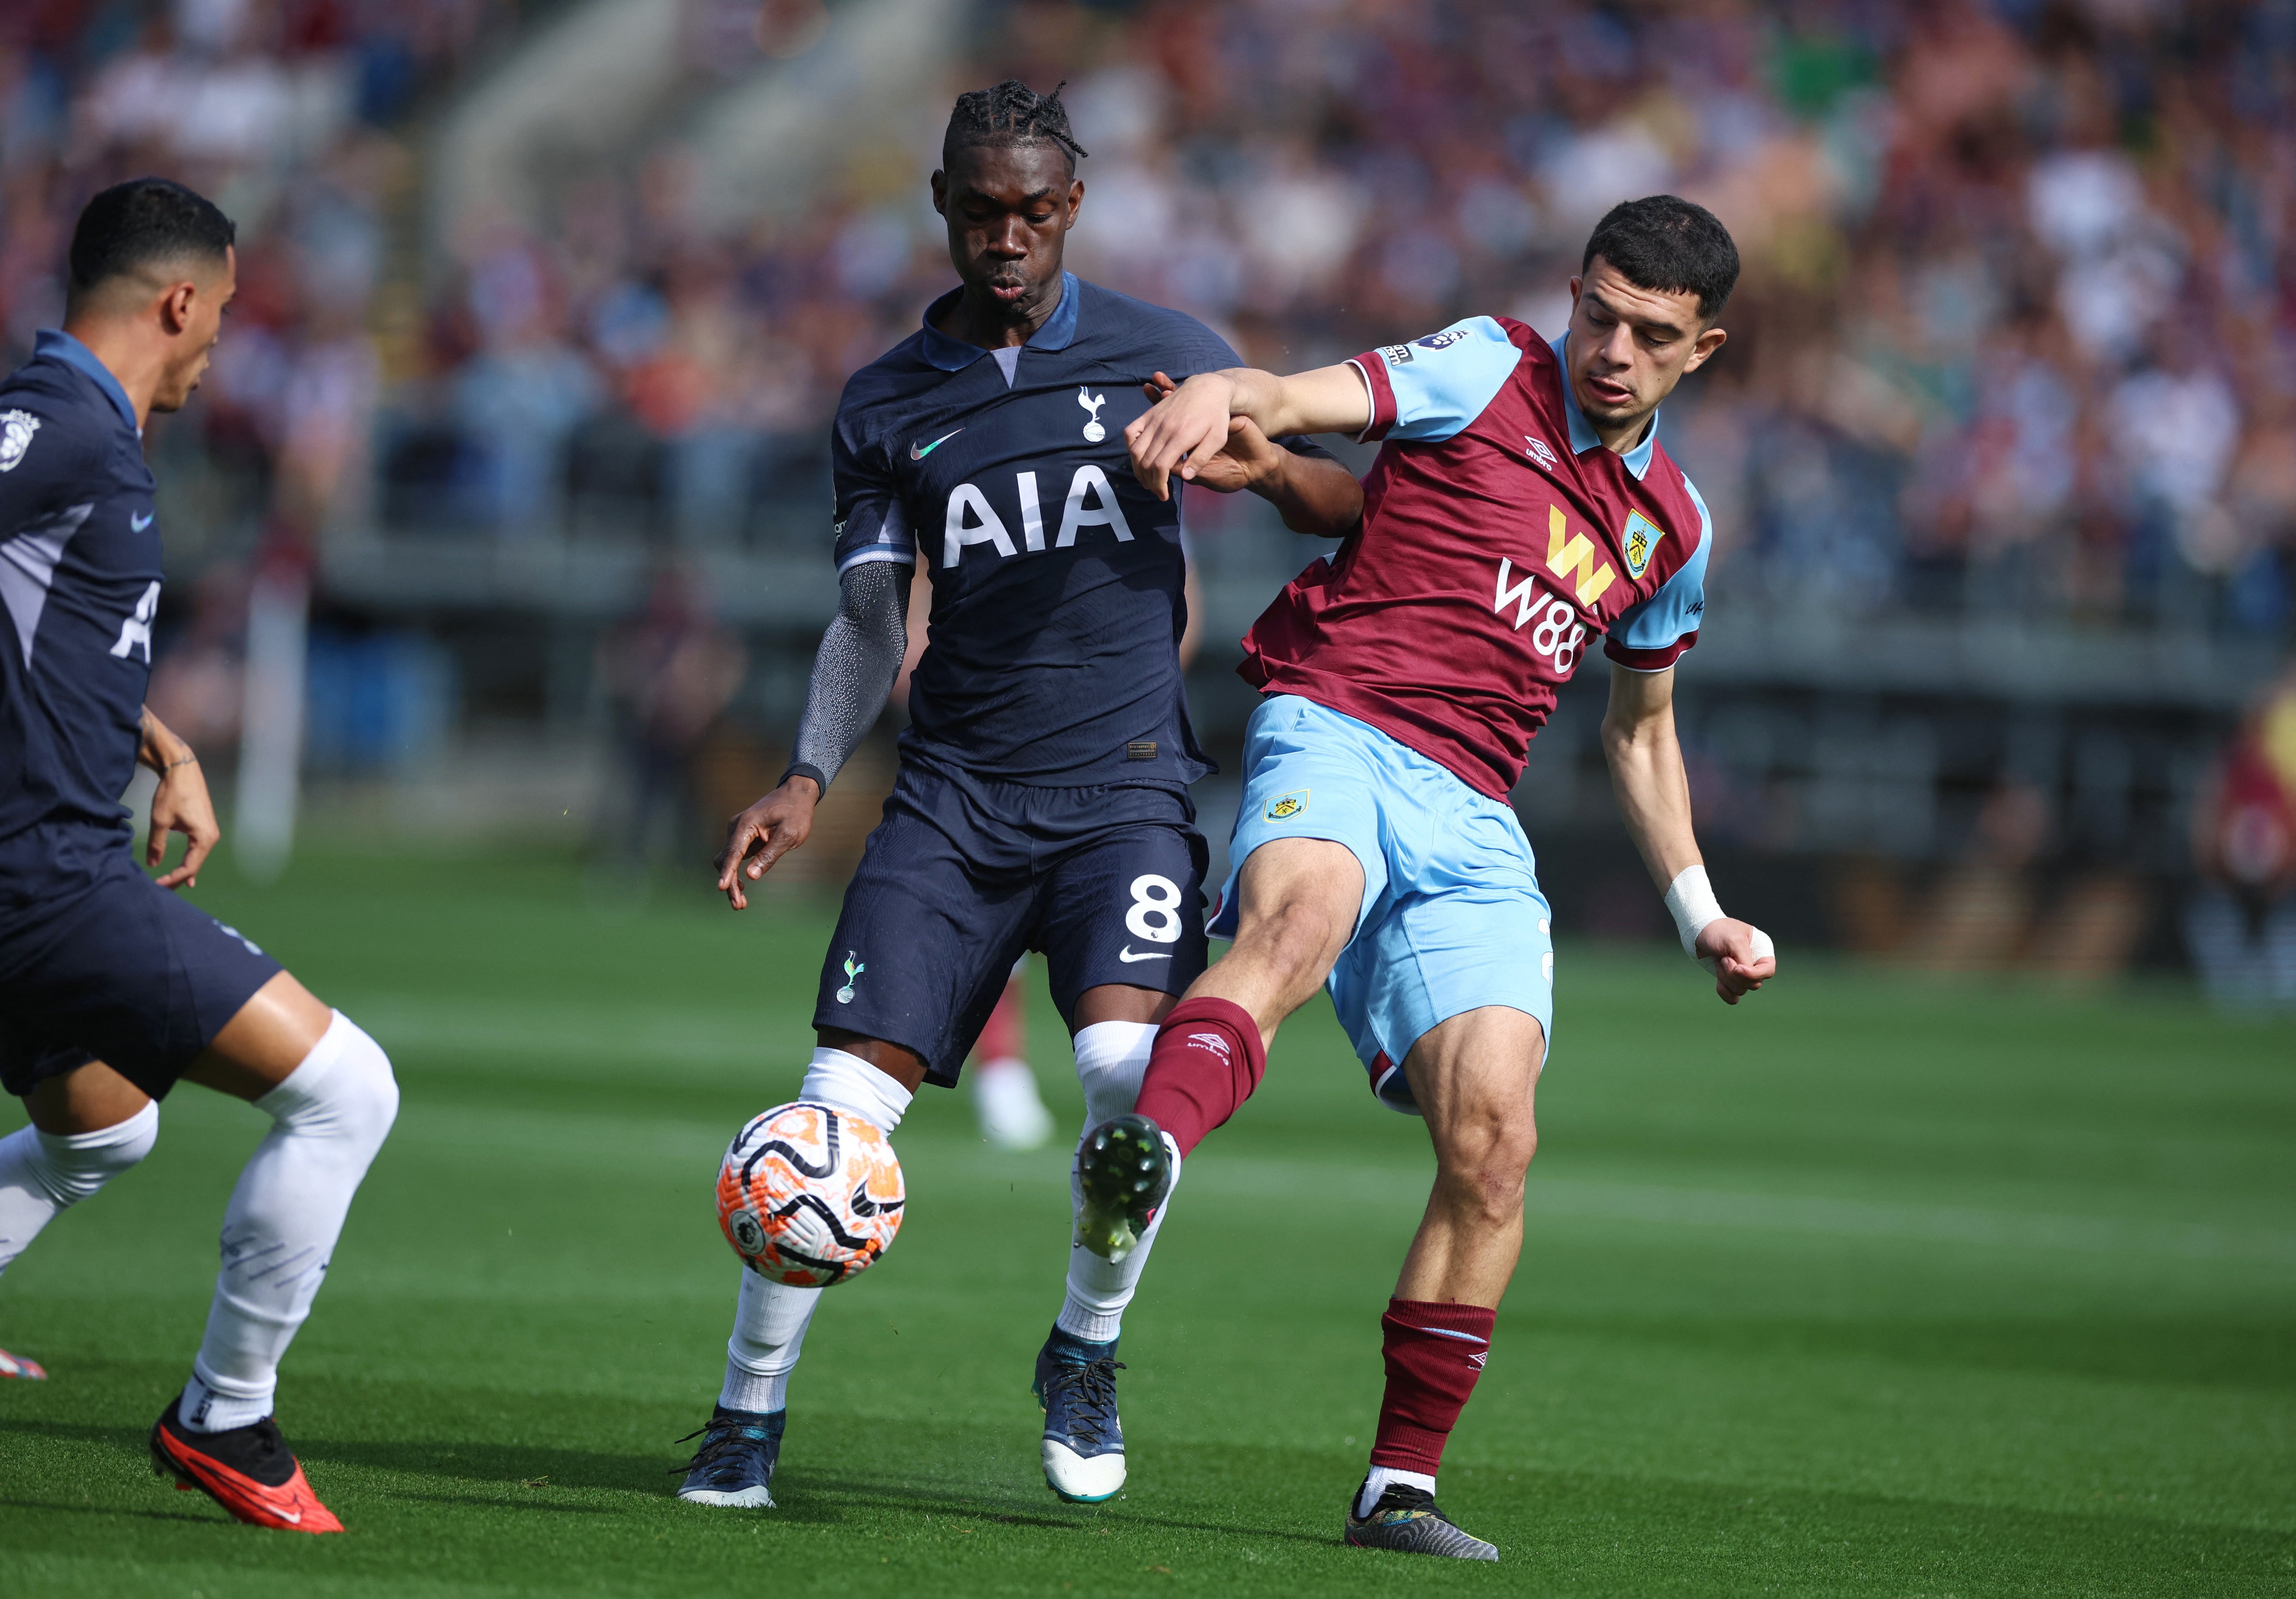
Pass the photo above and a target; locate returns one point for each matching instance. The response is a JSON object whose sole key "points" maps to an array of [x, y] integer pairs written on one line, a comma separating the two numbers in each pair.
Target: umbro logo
{"points": [[1536, 448], [1214, 1042], [919, 452]]}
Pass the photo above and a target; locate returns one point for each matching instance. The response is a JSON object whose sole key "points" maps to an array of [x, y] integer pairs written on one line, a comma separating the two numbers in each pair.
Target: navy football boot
{"points": [[1408, 1520], [1125, 1169], [1084, 1441], [734, 1467]]}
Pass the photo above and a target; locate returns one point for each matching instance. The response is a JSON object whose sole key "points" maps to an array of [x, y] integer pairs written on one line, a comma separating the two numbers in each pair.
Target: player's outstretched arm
{"points": [[852, 673], [1653, 790], [1193, 425], [179, 804], [1315, 496]]}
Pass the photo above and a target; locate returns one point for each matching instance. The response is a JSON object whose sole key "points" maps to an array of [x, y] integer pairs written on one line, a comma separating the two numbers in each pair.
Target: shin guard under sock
{"points": [[1206, 1061], [1434, 1353], [329, 1117]]}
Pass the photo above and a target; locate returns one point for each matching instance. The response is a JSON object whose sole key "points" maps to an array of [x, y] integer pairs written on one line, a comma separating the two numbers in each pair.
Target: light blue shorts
{"points": [[1452, 918]]}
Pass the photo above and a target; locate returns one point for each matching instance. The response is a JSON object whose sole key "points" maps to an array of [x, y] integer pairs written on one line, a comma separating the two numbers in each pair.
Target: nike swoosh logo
{"points": [[919, 452], [140, 523], [1128, 958]]}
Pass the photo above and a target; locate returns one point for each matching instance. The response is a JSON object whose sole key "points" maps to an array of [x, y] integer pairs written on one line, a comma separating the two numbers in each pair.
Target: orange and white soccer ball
{"points": [[810, 1195]]}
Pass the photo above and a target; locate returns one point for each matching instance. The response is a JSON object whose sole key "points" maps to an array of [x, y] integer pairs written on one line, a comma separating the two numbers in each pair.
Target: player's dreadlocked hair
{"points": [[1011, 113]]}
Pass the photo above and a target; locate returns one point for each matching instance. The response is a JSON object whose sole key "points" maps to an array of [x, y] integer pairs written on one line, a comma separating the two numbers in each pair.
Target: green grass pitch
{"points": [[1870, 1286]]}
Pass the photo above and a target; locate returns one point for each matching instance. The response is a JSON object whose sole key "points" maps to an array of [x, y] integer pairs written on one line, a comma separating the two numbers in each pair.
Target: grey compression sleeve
{"points": [[854, 669]]}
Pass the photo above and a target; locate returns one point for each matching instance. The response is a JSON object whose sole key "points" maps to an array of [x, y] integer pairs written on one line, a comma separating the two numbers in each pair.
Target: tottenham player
{"points": [[1042, 800], [113, 989], [1522, 507]]}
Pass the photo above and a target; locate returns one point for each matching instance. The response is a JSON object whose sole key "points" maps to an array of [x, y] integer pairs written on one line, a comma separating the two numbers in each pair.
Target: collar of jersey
{"points": [[1582, 431], [954, 355], [60, 346]]}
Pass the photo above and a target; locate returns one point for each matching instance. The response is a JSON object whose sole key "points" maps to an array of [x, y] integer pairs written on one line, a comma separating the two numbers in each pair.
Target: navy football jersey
{"points": [[79, 582], [1057, 602]]}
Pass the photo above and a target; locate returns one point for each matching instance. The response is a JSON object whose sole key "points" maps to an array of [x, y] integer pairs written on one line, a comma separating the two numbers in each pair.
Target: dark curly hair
{"points": [[1011, 113], [1665, 244]]}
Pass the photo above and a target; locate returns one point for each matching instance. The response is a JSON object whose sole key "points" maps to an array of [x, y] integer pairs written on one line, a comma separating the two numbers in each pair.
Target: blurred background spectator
{"points": [[2242, 921], [539, 292]]}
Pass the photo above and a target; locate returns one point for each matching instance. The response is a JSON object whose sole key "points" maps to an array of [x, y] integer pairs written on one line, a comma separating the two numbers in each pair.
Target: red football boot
{"points": [[18, 1366], [249, 1471]]}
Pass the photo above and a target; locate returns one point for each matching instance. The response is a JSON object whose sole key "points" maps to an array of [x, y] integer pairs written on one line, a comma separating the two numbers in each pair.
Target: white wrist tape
{"points": [[1690, 900]]}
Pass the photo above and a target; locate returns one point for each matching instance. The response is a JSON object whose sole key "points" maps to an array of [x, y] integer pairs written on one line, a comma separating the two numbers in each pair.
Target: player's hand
{"points": [[763, 834], [1739, 954], [1180, 432], [1247, 460], [180, 805]]}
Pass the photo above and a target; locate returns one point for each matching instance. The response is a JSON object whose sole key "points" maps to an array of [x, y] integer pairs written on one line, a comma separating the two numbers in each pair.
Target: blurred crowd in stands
{"points": [[2017, 332]]}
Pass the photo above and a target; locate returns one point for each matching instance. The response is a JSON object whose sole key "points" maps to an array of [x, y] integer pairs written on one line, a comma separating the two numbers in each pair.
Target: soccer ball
{"points": [[809, 1195]]}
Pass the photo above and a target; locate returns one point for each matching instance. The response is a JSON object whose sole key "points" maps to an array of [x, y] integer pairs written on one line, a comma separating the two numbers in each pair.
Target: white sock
{"points": [[329, 1119], [1111, 1059], [770, 1317], [1376, 1484], [852, 1084], [41, 1173], [769, 1323]]}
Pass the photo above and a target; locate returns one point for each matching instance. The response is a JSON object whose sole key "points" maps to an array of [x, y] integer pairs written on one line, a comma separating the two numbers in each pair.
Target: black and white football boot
{"points": [[1084, 1441], [1408, 1520], [734, 1466]]}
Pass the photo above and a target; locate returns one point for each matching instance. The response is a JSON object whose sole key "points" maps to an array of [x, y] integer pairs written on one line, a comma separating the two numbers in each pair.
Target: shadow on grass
{"points": [[56, 1507], [826, 1499]]}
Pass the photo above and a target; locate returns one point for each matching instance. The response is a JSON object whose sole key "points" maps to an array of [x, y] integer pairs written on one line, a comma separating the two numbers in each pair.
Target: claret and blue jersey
{"points": [[1499, 538], [79, 582], [1057, 579]]}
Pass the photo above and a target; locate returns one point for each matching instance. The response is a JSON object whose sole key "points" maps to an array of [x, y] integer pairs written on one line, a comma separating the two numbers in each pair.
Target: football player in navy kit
{"points": [[113, 989], [1042, 802]]}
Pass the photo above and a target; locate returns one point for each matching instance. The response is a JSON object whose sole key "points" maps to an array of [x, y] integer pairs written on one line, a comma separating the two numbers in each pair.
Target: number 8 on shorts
{"points": [[1155, 913]]}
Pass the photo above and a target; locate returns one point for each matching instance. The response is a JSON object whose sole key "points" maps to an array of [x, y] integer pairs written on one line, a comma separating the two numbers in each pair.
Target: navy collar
{"points": [[954, 355], [60, 346], [1582, 431]]}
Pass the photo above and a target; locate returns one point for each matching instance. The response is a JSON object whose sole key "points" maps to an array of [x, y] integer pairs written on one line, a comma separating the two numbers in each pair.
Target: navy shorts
{"points": [[98, 962], [965, 873]]}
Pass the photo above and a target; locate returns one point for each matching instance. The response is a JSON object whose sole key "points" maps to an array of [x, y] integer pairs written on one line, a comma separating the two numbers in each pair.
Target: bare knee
{"points": [[1483, 1159]]}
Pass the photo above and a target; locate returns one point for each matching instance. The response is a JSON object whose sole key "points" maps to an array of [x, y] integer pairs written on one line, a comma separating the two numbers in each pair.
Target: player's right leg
{"points": [[88, 1125], [1313, 866], [925, 944]]}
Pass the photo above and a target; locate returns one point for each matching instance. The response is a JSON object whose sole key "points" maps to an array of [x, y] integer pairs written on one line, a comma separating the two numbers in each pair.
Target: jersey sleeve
{"points": [[1653, 635], [1426, 391], [43, 458], [871, 522]]}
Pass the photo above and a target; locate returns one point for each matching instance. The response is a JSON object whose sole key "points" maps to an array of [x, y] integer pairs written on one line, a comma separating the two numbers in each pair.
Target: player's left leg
{"points": [[329, 1091], [1474, 1077], [1455, 977], [1123, 927]]}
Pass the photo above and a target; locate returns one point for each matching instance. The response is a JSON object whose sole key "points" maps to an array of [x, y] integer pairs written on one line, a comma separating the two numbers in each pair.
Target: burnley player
{"points": [[1522, 508], [1041, 800], [113, 989]]}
